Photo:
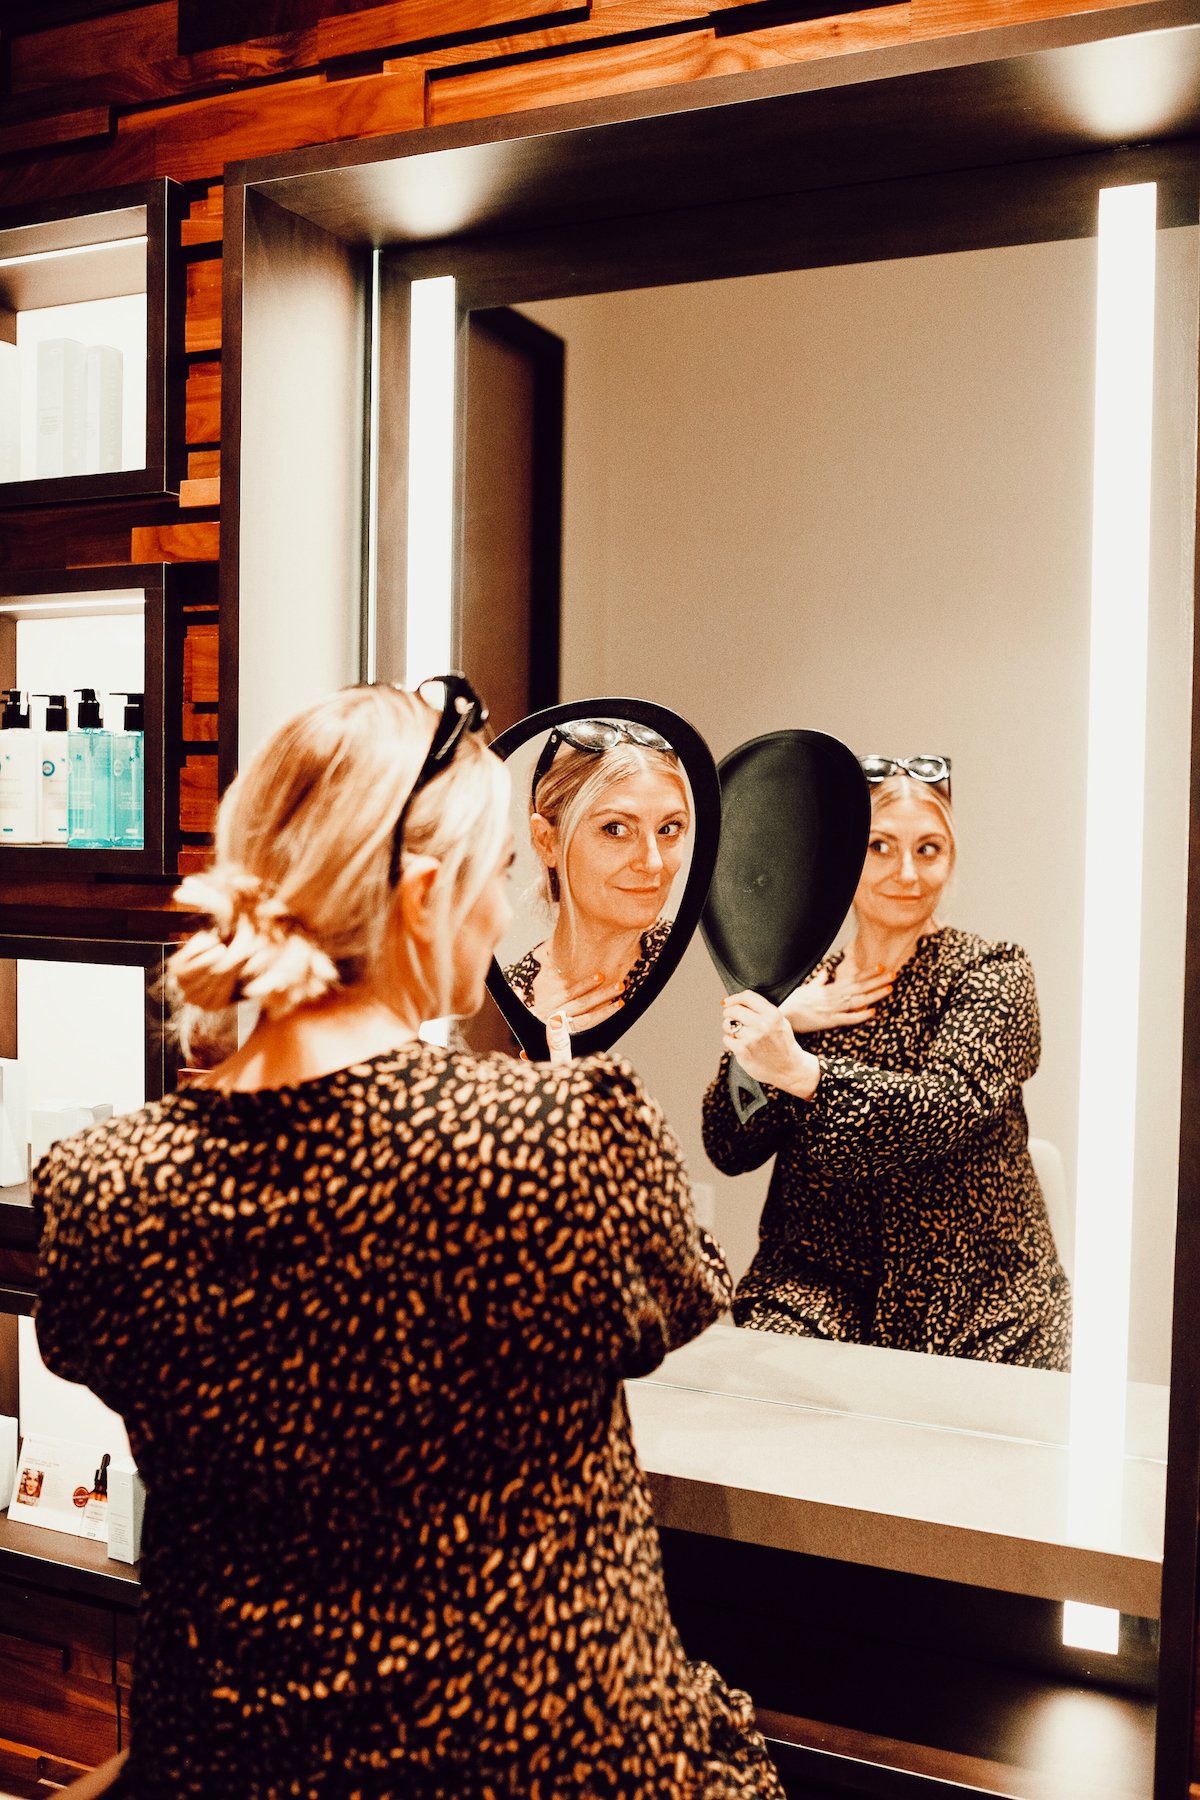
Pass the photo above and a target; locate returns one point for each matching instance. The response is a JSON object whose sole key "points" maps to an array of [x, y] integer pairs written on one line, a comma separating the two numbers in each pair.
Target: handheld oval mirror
{"points": [[616, 815], [797, 816]]}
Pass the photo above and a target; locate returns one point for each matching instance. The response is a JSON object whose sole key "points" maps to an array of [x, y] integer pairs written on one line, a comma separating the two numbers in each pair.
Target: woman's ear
{"points": [[544, 839], [415, 912]]}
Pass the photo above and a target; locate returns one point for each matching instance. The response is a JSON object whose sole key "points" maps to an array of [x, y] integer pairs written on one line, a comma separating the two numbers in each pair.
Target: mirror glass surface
{"points": [[599, 873], [857, 499]]}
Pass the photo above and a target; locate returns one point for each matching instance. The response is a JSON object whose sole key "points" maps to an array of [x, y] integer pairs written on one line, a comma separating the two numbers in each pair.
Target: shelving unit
{"points": [[67, 1611], [109, 1017], [101, 273], [144, 627]]}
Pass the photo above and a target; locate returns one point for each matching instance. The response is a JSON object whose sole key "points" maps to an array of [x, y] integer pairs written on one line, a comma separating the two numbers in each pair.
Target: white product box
{"points": [[103, 394], [10, 412], [61, 406], [14, 1125], [126, 1505], [60, 1119], [8, 1457]]}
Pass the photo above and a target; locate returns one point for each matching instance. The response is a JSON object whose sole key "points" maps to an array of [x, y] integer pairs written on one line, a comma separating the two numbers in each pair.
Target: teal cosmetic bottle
{"points": [[128, 778], [89, 778]]}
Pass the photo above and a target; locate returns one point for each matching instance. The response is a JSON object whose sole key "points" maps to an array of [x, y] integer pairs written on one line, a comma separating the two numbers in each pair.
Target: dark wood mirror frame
{"points": [[934, 147], [701, 772]]}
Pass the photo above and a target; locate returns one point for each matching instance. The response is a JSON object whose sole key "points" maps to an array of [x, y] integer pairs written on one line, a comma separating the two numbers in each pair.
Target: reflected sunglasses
{"points": [[934, 770], [594, 737], [461, 710]]}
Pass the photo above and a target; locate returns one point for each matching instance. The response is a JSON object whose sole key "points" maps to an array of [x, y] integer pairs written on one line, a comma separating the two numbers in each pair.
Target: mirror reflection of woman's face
{"points": [[627, 850], [909, 859]]}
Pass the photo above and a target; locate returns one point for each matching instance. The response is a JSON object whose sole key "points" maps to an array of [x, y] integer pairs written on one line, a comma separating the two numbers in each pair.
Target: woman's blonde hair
{"points": [[888, 793], [298, 891], [571, 787]]}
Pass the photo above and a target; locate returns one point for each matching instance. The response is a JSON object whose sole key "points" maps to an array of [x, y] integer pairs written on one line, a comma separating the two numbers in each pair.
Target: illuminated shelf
{"points": [[112, 629], [91, 345]]}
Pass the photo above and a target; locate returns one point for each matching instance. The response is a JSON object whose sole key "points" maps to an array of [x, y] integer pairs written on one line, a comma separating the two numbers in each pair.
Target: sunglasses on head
{"points": [[594, 737], [935, 770], [460, 710]]}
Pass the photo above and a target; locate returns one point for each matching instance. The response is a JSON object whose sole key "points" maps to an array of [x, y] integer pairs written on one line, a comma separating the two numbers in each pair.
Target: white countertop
{"points": [[931, 1465]]}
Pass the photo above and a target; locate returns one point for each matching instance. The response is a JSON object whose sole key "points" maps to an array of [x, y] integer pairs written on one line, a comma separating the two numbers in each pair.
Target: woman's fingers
{"points": [[589, 988], [596, 1006]]}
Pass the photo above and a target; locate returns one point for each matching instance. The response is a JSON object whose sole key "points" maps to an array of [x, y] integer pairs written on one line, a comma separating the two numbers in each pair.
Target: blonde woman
{"points": [[903, 1208], [609, 820], [366, 1305]]}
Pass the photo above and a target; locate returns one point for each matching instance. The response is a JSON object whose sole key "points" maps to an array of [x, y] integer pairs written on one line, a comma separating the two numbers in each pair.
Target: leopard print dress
{"points": [[368, 1335], [903, 1208], [521, 976]]}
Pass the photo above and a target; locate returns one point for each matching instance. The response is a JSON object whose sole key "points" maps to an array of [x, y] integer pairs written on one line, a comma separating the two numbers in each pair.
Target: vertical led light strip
{"points": [[429, 612], [369, 652], [1112, 906], [429, 619]]}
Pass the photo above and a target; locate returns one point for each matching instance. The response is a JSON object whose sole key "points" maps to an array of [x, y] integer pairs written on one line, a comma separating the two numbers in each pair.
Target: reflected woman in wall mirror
{"points": [[610, 820], [904, 1209]]}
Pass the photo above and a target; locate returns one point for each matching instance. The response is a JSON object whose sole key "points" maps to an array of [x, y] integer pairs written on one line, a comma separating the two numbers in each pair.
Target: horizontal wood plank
{"points": [[203, 465], [193, 860], [198, 794], [459, 92], [204, 491], [200, 663], [202, 410], [607, 19], [612, 69], [201, 228], [198, 137], [54, 128], [132, 58], [193, 542], [73, 537], [202, 317], [943, 18]]}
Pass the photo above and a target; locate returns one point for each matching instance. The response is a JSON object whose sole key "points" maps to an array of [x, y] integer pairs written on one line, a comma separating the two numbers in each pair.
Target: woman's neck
{"points": [[873, 946], [591, 948], [349, 1026]]}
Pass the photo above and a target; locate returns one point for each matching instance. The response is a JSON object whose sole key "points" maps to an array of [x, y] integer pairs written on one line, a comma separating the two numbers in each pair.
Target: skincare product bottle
{"points": [[20, 774], [89, 779], [54, 769], [129, 800], [95, 1508]]}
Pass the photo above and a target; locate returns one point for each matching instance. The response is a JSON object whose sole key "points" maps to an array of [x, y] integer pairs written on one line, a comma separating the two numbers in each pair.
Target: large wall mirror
{"points": [[856, 496], [859, 499], [829, 402]]}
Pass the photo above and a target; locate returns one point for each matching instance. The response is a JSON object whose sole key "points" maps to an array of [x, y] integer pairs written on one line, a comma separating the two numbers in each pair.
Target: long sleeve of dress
{"points": [[865, 1120], [74, 1325], [615, 1268], [736, 1148]]}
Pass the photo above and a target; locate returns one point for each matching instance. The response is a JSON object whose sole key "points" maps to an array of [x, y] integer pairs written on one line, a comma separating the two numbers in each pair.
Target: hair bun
{"points": [[255, 948]]}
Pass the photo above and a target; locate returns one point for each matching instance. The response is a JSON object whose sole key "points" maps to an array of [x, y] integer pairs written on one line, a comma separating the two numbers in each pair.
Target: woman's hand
{"points": [[582, 1003], [762, 1040], [849, 999]]}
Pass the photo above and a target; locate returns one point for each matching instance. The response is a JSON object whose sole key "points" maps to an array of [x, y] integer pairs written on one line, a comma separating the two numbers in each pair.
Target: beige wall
{"points": [[858, 500]]}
